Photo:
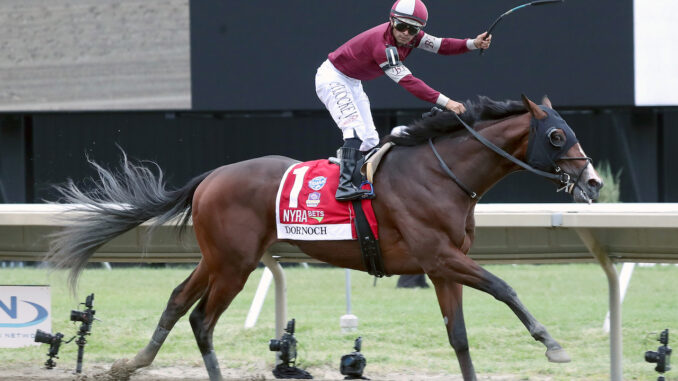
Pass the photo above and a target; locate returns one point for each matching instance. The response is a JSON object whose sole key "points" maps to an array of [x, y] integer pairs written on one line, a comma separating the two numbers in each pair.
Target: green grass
{"points": [[401, 328], [611, 191]]}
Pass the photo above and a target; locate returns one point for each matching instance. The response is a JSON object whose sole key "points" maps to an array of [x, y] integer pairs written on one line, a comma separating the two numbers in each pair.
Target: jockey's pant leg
{"points": [[348, 104], [369, 135]]}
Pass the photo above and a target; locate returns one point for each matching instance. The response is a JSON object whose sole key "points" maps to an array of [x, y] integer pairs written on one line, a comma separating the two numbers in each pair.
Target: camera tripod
{"points": [[86, 318], [81, 348]]}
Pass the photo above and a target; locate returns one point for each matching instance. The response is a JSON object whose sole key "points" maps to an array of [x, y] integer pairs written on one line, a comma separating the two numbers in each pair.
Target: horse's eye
{"points": [[556, 137]]}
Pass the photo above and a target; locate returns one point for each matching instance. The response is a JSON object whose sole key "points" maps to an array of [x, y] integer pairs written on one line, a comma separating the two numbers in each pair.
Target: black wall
{"points": [[256, 55], [253, 65], [43, 149]]}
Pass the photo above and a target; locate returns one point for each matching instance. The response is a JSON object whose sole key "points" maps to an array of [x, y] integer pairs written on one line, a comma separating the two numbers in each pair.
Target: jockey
{"points": [[375, 52]]}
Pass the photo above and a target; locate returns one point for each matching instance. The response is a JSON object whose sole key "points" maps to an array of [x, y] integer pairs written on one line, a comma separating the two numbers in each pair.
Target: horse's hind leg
{"points": [[223, 288], [182, 298], [450, 299], [230, 256], [503, 292]]}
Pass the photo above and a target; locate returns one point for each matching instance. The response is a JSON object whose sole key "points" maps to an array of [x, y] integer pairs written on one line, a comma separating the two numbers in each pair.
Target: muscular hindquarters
{"points": [[234, 211]]}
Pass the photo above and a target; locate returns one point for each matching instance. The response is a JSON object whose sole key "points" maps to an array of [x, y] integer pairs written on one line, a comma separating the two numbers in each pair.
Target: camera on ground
{"points": [[662, 356], [287, 345], [353, 364], [286, 348], [54, 342]]}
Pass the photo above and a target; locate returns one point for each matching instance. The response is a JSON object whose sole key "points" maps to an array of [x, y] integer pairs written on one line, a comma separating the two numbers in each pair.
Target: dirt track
{"points": [[253, 373], [92, 54]]}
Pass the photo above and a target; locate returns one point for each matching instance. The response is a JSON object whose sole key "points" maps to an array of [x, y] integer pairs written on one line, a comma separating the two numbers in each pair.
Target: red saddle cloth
{"points": [[307, 210]]}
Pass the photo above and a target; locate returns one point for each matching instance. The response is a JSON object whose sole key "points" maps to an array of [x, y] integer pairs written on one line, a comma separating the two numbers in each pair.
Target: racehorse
{"points": [[427, 187]]}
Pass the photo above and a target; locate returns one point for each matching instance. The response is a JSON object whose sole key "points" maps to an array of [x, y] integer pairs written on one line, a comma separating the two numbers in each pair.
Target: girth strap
{"points": [[369, 246]]}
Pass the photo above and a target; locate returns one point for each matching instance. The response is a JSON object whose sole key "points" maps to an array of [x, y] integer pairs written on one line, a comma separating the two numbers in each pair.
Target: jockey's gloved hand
{"points": [[435, 110]]}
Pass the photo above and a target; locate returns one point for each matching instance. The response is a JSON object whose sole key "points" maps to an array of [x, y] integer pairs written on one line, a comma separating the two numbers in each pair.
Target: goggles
{"points": [[401, 26]]}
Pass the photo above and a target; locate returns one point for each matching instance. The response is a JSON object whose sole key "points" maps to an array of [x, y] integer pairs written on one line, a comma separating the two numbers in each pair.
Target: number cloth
{"points": [[307, 210]]}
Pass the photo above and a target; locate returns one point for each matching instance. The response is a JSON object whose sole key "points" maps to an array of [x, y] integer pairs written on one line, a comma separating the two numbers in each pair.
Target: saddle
{"points": [[372, 160]]}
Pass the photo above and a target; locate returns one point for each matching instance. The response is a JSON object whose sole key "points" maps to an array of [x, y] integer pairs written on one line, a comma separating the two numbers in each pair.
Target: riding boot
{"points": [[348, 159]]}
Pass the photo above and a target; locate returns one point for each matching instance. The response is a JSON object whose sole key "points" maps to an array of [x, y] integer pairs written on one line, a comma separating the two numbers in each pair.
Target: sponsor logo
{"points": [[313, 200], [317, 215], [317, 183], [428, 43], [344, 102], [397, 73], [297, 216], [306, 230], [12, 311], [294, 216]]}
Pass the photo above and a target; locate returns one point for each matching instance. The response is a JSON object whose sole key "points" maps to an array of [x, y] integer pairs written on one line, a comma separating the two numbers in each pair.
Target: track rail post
{"points": [[280, 293], [589, 239]]}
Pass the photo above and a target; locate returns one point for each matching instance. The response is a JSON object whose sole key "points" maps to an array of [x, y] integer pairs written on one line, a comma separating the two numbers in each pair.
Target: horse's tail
{"points": [[116, 203]]}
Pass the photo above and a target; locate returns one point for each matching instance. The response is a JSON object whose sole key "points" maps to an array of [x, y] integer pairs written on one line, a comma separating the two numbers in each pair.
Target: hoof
{"points": [[121, 370], [558, 355]]}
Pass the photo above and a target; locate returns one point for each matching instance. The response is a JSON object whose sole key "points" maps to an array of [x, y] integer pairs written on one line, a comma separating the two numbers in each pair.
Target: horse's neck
{"points": [[477, 165], [510, 134]]}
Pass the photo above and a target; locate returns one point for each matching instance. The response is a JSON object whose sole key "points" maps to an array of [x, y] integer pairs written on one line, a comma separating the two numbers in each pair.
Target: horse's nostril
{"points": [[595, 184]]}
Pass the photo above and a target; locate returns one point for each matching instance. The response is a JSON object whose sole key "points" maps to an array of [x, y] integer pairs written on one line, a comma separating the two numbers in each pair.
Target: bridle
{"points": [[564, 179]]}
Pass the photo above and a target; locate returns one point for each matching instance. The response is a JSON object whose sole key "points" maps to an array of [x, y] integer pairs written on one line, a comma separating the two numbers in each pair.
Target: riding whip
{"points": [[538, 2]]}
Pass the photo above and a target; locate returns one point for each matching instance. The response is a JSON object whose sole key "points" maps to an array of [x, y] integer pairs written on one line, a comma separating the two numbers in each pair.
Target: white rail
{"points": [[505, 233]]}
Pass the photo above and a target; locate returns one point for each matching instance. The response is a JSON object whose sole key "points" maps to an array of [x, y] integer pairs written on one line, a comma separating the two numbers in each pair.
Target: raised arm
{"points": [[402, 76], [449, 46]]}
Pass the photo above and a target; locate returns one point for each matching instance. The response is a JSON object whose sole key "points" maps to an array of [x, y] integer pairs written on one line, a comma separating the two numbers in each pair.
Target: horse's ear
{"points": [[532, 107], [546, 102]]}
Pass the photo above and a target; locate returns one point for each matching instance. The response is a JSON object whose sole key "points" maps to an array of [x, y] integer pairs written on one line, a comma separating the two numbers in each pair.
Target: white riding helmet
{"points": [[410, 11]]}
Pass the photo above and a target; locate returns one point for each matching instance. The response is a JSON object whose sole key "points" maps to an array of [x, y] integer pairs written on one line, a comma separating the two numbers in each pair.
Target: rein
{"points": [[449, 172], [565, 180]]}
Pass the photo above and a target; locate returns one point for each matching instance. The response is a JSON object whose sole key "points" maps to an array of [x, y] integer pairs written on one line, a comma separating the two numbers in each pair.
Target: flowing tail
{"points": [[116, 203]]}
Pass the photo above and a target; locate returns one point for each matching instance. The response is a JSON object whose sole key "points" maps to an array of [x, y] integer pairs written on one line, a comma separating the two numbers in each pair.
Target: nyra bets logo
{"points": [[23, 310]]}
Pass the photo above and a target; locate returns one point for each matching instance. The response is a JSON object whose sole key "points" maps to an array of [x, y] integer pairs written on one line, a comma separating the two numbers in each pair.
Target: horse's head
{"points": [[553, 147]]}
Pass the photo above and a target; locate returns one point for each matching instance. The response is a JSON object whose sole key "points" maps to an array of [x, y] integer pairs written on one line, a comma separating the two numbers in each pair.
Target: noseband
{"points": [[566, 182]]}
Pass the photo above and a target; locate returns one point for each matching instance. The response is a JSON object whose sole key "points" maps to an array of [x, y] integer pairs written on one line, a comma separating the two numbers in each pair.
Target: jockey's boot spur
{"points": [[348, 159]]}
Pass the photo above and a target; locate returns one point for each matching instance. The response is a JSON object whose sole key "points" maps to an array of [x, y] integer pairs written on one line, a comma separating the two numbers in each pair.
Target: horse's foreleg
{"points": [[450, 299], [455, 266], [182, 298], [503, 292]]}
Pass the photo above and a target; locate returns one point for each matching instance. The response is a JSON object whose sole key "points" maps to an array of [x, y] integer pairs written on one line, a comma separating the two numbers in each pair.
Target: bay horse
{"points": [[425, 212]]}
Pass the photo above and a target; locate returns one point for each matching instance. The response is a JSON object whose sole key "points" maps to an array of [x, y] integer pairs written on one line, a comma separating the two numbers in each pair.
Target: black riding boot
{"points": [[348, 159]]}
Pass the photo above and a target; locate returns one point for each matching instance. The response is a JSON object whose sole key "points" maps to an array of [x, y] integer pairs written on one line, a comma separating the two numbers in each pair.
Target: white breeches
{"points": [[348, 104]]}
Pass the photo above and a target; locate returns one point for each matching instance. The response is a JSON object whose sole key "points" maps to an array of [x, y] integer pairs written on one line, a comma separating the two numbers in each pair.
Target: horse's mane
{"points": [[445, 123]]}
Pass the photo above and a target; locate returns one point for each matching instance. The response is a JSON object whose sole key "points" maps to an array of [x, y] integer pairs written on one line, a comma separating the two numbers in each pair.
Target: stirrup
{"points": [[370, 195]]}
